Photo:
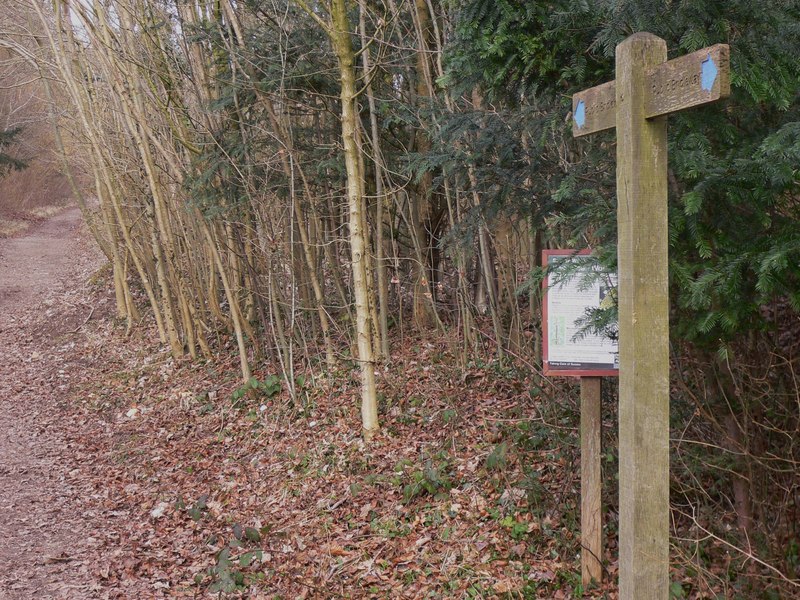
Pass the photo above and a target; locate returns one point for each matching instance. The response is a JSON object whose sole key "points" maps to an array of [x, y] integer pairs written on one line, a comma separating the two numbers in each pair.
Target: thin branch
{"points": [[320, 21]]}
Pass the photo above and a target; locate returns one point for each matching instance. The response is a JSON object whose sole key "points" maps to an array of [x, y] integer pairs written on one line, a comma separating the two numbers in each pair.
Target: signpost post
{"points": [[647, 89]]}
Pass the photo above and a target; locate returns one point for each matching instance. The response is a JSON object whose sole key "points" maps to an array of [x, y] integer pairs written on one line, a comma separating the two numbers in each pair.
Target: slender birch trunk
{"points": [[343, 47]]}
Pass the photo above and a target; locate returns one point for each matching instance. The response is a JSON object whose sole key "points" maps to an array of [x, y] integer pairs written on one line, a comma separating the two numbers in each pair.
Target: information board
{"points": [[569, 290]]}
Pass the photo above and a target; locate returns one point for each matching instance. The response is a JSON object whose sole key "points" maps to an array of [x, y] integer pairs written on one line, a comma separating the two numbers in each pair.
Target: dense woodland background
{"points": [[309, 185]]}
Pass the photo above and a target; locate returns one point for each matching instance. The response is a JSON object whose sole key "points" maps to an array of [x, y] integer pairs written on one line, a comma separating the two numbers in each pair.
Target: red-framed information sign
{"points": [[565, 352]]}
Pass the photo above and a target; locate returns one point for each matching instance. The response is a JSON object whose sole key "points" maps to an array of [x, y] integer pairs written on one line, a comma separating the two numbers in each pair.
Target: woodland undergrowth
{"points": [[471, 490]]}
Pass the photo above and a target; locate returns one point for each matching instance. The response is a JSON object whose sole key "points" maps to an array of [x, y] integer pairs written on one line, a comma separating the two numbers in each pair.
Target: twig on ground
{"points": [[82, 325]]}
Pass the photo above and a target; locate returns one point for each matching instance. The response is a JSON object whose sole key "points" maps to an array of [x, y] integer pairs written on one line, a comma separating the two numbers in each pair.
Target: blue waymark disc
{"points": [[708, 73], [580, 114]]}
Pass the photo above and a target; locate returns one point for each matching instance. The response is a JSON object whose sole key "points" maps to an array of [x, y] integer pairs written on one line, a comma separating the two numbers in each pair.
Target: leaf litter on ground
{"points": [[465, 493]]}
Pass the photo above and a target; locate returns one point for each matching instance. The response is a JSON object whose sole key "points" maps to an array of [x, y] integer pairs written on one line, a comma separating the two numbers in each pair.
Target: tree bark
{"points": [[343, 47]]}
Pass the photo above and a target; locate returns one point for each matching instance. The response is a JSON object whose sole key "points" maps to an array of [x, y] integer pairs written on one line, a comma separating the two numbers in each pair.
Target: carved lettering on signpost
{"points": [[691, 80]]}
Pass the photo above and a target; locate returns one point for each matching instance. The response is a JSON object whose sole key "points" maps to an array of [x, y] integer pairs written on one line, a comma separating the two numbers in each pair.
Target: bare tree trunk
{"points": [[236, 316], [343, 47], [380, 199]]}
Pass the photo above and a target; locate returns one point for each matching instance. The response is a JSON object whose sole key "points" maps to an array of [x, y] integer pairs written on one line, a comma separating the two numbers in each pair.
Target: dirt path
{"points": [[46, 530], [32, 265]]}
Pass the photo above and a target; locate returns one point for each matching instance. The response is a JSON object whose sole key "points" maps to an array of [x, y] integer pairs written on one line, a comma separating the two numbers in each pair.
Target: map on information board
{"points": [[569, 347]]}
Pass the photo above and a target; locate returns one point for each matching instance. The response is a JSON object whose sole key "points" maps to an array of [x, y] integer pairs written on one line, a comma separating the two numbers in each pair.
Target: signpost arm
{"points": [[591, 513], [643, 326]]}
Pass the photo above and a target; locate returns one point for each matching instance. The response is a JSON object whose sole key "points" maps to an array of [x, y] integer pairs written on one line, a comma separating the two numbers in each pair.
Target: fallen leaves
{"points": [[200, 497]]}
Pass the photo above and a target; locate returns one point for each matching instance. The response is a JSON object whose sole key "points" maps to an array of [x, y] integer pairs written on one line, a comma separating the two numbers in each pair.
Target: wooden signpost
{"points": [[647, 88]]}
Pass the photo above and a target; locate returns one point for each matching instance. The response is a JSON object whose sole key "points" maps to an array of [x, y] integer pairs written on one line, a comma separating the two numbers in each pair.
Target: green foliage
{"points": [[196, 510], [432, 479], [288, 63], [496, 460], [676, 591], [255, 388], [230, 572], [449, 415], [8, 162], [389, 527], [515, 49], [735, 243], [517, 529], [225, 575]]}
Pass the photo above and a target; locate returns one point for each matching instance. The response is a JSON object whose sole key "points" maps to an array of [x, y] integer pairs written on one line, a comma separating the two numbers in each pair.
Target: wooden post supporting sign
{"points": [[647, 88], [591, 484]]}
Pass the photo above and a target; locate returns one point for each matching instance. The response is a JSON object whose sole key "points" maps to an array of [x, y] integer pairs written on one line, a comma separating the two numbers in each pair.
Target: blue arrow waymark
{"points": [[580, 114], [708, 73]]}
